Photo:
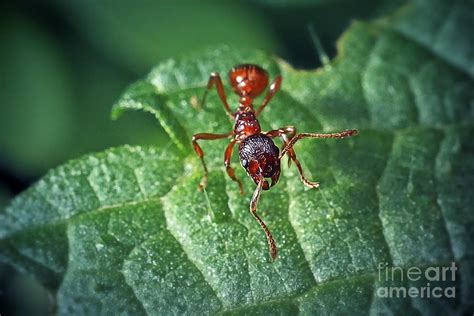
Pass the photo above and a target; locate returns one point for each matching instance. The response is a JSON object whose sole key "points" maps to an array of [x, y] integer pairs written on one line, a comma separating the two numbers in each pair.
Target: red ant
{"points": [[258, 154]]}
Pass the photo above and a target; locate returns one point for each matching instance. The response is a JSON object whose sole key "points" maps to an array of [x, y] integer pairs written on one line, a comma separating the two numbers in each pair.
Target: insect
{"points": [[257, 152]]}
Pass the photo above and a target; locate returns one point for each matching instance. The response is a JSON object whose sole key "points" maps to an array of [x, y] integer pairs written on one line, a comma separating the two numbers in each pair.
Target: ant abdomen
{"points": [[248, 80]]}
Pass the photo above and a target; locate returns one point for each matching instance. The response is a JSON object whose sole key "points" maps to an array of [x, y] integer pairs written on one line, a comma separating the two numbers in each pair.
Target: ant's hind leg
{"points": [[291, 143], [215, 79], [230, 171], [200, 153], [274, 88], [289, 148]]}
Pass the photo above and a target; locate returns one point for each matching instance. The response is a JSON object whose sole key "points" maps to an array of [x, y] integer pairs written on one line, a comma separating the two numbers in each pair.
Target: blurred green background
{"points": [[64, 63]]}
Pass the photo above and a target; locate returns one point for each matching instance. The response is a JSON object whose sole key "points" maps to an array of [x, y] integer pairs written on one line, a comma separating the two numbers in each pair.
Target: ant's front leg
{"points": [[230, 171], [215, 79], [253, 209], [198, 150], [287, 133], [274, 88]]}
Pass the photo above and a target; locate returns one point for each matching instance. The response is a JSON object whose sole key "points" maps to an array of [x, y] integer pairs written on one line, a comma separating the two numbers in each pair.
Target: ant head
{"points": [[269, 169], [259, 156], [248, 80]]}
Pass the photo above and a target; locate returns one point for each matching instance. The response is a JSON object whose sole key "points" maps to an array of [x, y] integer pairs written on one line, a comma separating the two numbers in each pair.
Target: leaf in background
{"points": [[52, 110], [436, 26], [329, 18], [127, 231], [139, 35], [96, 87], [35, 89]]}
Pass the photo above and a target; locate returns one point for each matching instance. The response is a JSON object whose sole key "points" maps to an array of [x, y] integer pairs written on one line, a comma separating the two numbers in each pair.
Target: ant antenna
{"points": [[323, 57]]}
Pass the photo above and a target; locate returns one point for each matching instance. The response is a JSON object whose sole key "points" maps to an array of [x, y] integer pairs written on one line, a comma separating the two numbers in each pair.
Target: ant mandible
{"points": [[258, 154]]}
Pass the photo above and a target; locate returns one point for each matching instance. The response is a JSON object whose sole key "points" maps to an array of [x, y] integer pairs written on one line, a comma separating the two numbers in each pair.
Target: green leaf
{"points": [[127, 230]]}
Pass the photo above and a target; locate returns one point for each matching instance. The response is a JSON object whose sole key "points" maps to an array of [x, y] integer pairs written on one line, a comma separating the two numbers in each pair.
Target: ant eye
{"points": [[269, 169]]}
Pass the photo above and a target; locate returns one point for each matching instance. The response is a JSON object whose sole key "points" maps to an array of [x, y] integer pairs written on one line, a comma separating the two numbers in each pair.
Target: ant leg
{"points": [[274, 88], [215, 79], [253, 209], [291, 143], [287, 133], [200, 153], [306, 182], [230, 171]]}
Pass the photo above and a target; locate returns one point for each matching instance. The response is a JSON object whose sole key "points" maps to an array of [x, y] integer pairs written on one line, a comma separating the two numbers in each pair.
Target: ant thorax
{"points": [[246, 124]]}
